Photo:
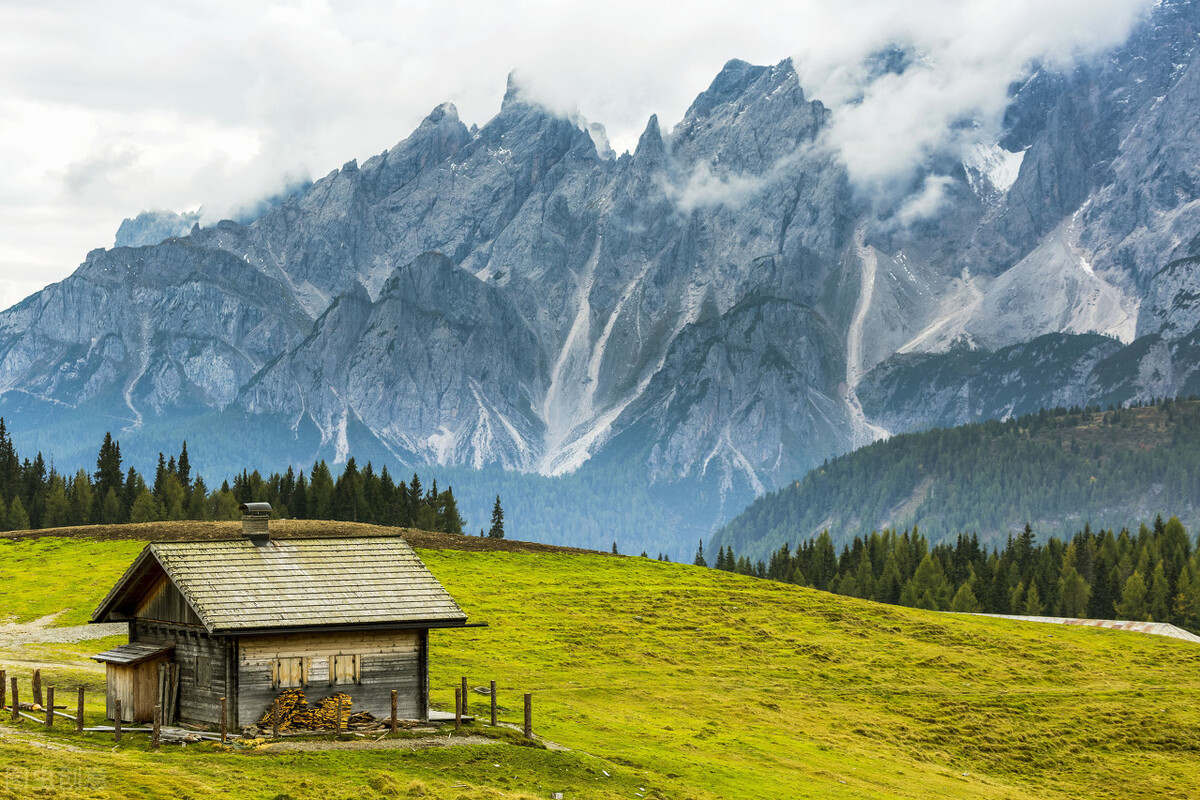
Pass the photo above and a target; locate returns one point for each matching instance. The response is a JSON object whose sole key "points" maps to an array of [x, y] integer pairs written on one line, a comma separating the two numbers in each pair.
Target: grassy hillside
{"points": [[1055, 469], [684, 682]]}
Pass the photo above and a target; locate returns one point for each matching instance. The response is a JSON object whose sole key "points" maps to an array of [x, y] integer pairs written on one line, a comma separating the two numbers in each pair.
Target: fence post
{"points": [[393, 710], [457, 708], [528, 715], [464, 695], [37, 687], [275, 719], [117, 722], [154, 735], [493, 704], [3, 688], [16, 701], [338, 725], [79, 713], [224, 722], [49, 706]]}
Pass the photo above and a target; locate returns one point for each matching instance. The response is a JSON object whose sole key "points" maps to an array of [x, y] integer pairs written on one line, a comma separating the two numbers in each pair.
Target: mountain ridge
{"points": [[721, 308]]}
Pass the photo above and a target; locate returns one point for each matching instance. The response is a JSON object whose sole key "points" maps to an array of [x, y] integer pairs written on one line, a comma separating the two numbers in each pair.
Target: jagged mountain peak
{"points": [[716, 311]]}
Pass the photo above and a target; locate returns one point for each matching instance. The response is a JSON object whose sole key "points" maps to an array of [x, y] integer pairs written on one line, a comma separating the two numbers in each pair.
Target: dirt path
{"points": [[15, 634]]}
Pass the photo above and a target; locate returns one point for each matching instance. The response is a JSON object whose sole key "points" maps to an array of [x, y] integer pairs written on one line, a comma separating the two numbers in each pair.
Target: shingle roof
{"points": [[237, 587], [133, 653]]}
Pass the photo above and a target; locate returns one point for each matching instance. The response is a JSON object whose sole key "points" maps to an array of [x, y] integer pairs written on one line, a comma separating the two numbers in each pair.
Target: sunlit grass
{"points": [[684, 682]]}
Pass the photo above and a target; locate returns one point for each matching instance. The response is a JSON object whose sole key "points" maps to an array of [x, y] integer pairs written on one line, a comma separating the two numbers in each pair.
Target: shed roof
{"points": [[239, 587], [133, 653]]}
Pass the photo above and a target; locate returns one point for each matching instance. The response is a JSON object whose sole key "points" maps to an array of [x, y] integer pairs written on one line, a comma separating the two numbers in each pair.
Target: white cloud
{"points": [[968, 54], [705, 189], [114, 107], [926, 202]]}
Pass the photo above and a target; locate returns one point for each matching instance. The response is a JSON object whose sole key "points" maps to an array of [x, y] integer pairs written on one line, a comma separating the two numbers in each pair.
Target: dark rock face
{"points": [[717, 306]]}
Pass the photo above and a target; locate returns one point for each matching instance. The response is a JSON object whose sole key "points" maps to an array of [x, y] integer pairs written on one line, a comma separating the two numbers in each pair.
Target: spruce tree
{"points": [[82, 500], [1133, 599], [1033, 603], [17, 519], [964, 599], [184, 468], [144, 508], [1158, 597], [497, 529], [58, 508], [699, 559], [1073, 593], [449, 520], [108, 468]]}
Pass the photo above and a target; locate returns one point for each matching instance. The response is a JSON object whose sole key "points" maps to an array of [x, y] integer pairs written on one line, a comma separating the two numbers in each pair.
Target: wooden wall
{"points": [[206, 666], [165, 603], [136, 686], [387, 660]]}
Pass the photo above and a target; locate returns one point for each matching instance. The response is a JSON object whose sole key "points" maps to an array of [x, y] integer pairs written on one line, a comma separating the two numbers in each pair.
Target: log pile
{"points": [[295, 714]]}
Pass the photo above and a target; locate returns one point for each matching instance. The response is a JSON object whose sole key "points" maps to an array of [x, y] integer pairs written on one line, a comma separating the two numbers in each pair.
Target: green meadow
{"points": [[666, 680]]}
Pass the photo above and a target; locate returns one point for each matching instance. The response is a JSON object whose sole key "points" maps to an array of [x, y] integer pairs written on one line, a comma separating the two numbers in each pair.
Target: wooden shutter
{"points": [[344, 669]]}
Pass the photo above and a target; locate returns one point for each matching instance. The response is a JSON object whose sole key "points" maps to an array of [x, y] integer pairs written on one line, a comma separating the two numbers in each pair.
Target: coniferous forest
{"points": [[1150, 574], [34, 495], [1058, 469]]}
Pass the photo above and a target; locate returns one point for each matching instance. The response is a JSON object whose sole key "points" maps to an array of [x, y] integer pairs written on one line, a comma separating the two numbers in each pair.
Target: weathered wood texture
{"points": [[386, 660], [165, 603], [135, 687], [202, 675]]}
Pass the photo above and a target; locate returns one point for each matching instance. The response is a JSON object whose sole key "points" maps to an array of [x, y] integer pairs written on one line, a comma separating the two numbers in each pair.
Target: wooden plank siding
{"points": [[136, 686], [165, 603], [386, 660], [203, 667]]}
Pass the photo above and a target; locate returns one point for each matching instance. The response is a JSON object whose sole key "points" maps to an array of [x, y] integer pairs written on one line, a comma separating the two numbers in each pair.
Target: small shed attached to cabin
{"points": [[246, 618]]}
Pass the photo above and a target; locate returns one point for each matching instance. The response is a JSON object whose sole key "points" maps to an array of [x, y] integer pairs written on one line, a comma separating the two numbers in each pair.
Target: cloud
{"points": [[114, 107], [953, 93], [926, 202], [705, 189]]}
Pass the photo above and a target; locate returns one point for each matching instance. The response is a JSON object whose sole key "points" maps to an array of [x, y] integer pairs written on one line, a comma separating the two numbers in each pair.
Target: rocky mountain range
{"points": [[713, 313]]}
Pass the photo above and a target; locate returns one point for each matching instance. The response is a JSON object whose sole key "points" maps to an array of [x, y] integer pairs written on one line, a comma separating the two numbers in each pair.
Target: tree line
{"points": [[1152, 574], [34, 495], [1058, 467]]}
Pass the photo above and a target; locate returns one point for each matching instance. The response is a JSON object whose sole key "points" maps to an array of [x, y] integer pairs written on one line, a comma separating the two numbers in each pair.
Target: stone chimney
{"points": [[256, 518]]}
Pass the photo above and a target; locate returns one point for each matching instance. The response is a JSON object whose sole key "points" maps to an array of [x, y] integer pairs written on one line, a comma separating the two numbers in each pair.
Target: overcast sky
{"points": [[109, 108]]}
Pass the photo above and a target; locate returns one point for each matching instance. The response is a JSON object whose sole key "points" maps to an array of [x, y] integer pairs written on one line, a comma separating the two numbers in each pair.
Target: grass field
{"points": [[677, 682]]}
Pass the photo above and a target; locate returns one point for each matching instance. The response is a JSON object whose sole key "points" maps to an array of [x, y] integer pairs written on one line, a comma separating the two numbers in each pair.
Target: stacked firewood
{"points": [[295, 714]]}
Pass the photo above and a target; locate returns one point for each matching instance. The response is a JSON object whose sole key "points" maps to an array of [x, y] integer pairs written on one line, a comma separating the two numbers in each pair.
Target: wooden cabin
{"points": [[246, 618]]}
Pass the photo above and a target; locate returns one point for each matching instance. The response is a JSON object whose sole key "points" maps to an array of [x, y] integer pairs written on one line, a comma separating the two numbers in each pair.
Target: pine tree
{"points": [[58, 508], [82, 499], [497, 529], [111, 512], [144, 508], [184, 468], [1159, 594], [17, 519], [108, 467], [614, 549], [699, 559], [1133, 599], [928, 588], [964, 599], [197, 507], [320, 492], [1033, 603], [449, 519], [1073, 593]]}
